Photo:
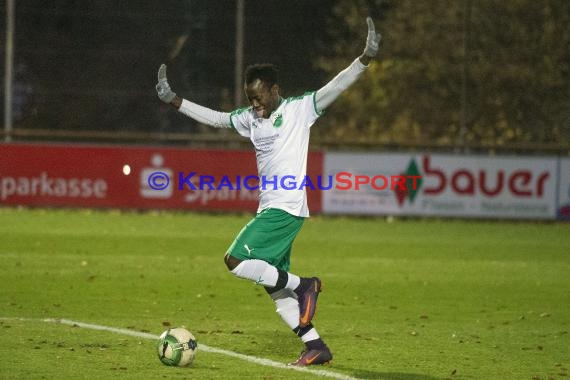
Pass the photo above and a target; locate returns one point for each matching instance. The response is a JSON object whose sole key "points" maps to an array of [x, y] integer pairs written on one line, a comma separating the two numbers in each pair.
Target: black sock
{"points": [[303, 285], [282, 278], [300, 331], [316, 344]]}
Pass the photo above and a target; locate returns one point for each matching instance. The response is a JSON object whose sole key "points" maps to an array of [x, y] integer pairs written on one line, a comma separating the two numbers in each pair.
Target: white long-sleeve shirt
{"points": [[281, 142]]}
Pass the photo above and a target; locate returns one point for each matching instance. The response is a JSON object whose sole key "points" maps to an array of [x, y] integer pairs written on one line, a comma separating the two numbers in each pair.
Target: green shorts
{"points": [[268, 237]]}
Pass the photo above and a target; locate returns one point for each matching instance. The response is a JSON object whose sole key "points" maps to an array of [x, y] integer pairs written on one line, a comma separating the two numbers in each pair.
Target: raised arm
{"points": [[195, 111], [329, 92]]}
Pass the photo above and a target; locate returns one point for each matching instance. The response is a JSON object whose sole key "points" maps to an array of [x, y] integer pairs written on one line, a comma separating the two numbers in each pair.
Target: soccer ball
{"points": [[176, 347]]}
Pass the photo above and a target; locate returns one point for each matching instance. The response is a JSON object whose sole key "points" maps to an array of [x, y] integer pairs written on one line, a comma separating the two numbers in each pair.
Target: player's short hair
{"points": [[266, 72]]}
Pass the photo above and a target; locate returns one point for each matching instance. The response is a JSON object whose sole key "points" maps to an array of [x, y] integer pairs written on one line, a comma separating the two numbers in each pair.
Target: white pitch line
{"points": [[201, 347]]}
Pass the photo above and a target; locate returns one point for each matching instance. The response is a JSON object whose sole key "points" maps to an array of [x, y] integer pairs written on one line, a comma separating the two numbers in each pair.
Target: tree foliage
{"points": [[454, 71]]}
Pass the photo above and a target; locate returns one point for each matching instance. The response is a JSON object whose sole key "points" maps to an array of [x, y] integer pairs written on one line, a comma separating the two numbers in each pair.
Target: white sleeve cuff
{"points": [[328, 94], [205, 115]]}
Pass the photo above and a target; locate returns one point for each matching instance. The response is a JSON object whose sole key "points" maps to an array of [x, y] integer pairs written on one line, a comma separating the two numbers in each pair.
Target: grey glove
{"points": [[162, 88], [373, 39]]}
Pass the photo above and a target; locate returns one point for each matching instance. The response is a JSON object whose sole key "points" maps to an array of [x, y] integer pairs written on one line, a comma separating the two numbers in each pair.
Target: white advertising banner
{"points": [[564, 189], [440, 185]]}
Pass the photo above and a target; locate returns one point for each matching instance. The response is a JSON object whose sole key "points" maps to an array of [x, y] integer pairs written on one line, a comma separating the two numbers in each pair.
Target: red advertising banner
{"points": [[132, 177]]}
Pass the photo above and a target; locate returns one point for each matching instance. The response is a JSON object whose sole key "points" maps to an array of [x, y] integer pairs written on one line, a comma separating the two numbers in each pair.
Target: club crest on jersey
{"points": [[276, 120]]}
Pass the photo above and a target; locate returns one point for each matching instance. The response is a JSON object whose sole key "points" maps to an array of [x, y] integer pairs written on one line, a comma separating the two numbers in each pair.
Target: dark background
{"points": [[92, 64], [450, 73]]}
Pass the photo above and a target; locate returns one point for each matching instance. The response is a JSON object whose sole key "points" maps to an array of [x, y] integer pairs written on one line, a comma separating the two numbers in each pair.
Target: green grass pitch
{"points": [[412, 300]]}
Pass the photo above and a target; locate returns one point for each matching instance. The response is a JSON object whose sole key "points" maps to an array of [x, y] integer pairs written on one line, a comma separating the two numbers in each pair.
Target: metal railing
{"points": [[234, 141]]}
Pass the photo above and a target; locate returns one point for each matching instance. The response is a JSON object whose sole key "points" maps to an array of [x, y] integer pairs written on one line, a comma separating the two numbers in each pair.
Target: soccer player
{"points": [[279, 130]]}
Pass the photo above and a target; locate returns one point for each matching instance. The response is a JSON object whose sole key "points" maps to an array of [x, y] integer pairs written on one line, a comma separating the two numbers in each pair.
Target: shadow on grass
{"points": [[365, 374]]}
